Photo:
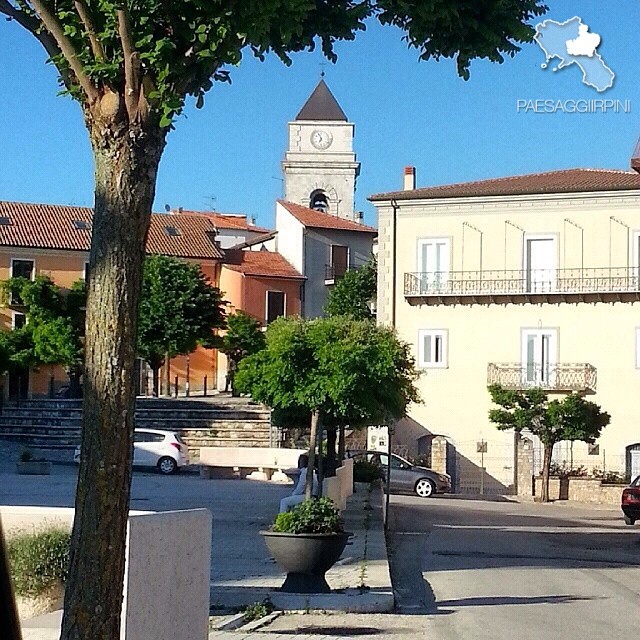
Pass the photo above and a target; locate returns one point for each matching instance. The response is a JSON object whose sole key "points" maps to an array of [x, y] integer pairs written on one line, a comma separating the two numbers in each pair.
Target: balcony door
{"points": [[539, 357], [339, 260], [433, 264], [540, 259]]}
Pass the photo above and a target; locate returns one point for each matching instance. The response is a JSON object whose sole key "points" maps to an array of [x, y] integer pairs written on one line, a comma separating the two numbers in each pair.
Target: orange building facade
{"points": [[53, 241]]}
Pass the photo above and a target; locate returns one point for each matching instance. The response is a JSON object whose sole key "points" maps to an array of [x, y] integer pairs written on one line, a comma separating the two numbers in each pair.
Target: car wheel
{"points": [[629, 520], [167, 465], [425, 488]]}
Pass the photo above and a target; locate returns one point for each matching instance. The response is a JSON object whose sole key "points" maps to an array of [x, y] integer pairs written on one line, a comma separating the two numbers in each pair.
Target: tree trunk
{"points": [[313, 437], [126, 161], [341, 444], [546, 469], [156, 381], [168, 374], [330, 460]]}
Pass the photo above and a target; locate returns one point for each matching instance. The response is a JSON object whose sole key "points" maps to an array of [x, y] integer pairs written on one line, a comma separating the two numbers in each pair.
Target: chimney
{"points": [[409, 179]]}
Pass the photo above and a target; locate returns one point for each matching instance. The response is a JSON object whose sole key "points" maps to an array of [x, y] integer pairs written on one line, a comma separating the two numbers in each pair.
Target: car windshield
{"points": [[636, 482]]}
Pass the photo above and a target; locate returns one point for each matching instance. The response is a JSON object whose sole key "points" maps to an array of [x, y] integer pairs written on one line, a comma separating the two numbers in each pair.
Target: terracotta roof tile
{"points": [[269, 264], [264, 237], [319, 220], [564, 181], [48, 226], [228, 220]]}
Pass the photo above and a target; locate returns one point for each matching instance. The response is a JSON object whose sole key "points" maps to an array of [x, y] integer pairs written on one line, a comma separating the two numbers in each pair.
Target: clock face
{"points": [[321, 139]]}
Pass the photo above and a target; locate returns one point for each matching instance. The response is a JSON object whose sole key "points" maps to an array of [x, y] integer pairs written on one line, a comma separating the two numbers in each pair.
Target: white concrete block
{"points": [[166, 590]]}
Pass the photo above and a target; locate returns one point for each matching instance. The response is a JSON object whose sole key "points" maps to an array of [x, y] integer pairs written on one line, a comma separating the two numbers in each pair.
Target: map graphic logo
{"points": [[572, 43]]}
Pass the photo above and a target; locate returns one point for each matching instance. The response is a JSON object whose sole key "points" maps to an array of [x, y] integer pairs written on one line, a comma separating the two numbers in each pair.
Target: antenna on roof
{"points": [[323, 64], [167, 208]]}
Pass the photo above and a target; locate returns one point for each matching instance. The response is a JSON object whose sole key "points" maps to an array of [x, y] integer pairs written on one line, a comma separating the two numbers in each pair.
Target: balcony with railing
{"points": [[560, 377], [502, 286]]}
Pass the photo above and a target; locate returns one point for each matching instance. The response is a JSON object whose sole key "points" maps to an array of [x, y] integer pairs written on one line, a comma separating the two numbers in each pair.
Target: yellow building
{"points": [[525, 281]]}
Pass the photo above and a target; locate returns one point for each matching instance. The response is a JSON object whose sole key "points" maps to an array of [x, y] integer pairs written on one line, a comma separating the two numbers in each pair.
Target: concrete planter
{"points": [[33, 468], [306, 557]]}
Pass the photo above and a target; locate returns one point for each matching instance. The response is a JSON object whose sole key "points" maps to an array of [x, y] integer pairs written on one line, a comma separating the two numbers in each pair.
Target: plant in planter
{"points": [[30, 465], [306, 542]]}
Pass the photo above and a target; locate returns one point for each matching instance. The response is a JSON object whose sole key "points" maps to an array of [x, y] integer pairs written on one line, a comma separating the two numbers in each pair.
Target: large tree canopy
{"points": [[179, 309], [339, 370], [153, 53], [54, 334]]}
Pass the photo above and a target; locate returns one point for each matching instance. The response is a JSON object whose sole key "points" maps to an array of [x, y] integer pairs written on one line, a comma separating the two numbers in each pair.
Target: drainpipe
{"points": [[394, 225]]}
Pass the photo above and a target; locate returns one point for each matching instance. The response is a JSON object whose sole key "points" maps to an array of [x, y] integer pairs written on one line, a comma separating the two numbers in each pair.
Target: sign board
{"points": [[378, 438], [481, 447]]}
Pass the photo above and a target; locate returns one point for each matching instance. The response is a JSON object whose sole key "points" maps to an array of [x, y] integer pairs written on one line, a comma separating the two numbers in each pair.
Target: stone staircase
{"points": [[218, 421]]}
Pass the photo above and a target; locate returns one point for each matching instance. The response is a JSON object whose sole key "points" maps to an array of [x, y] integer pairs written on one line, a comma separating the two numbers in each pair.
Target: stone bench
{"points": [[258, 463]]}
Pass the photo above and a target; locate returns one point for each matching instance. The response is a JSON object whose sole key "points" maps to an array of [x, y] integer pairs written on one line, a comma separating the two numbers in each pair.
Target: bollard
{"points": [[204, 387], [175, 386]]}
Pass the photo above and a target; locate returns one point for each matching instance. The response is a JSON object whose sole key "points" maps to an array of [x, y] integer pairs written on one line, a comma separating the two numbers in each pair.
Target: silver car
{"points": [[406, 477], [164, 450]]}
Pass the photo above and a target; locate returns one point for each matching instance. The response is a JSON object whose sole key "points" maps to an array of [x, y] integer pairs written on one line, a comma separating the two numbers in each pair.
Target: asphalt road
{"points": [[503, 570]]}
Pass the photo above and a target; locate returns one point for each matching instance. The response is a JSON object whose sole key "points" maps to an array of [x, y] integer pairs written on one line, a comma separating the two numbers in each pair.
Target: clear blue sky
{"points": [[227, 156]]}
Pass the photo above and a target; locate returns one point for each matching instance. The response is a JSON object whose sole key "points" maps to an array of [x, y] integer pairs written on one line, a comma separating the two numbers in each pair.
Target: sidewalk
{"points": [[360, 580]]}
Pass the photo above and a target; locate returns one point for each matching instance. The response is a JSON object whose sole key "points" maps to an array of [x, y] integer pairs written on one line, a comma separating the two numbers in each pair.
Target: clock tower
{"points": [[320, 167]]}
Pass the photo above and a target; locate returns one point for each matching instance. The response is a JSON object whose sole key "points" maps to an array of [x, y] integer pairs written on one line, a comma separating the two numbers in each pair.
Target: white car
{"points": [[155, 448]]}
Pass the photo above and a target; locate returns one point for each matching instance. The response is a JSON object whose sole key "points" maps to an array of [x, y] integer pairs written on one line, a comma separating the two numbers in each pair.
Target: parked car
{"points": [[631, 502], [156, 448], [406, 477]]}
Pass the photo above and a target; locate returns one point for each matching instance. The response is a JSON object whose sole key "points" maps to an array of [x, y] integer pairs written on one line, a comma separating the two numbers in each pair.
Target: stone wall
{"points": [[524, 467], [589, 490]]}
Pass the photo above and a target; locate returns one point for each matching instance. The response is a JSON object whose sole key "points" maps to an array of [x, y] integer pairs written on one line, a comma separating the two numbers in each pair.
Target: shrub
{"points": [[563, 470], [310, 516], [38, 561], [364, 471], [26, 455], [258, 610]]}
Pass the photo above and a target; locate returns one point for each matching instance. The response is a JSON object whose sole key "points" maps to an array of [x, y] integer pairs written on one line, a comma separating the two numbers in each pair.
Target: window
{"points": [[432, 348], [275, 305], [434, 255], [541, 262], [172, 232], [539, 357], [22, 269], [81, 225], [5, 221], [18, 320], [339, 260]]}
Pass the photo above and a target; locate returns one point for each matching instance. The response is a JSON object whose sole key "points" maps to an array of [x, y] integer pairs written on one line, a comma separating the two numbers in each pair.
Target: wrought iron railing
{"points": [[554, 377], [335, 272], [522, 282]]}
